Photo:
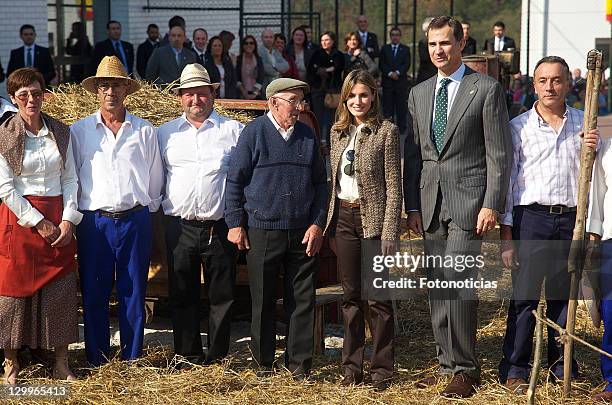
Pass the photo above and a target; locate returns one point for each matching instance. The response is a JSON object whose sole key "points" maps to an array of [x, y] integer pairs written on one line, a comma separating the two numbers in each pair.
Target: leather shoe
{"points": [[605, 397], [517, 386], [429, 381], [381, 385], [461, 386], [351, 379]]}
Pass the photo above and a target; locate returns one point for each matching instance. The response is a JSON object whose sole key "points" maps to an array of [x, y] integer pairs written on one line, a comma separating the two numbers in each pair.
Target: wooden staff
{"points": [[537, 357], [576, 256]]}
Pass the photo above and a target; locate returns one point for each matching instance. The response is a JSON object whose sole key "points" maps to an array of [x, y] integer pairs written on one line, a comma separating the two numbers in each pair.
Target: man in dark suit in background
{"points": [[167, 62], [499, 42], [470, 43], [113, 46], [145, 50], [368, 39], [200, 40], [394, 64], [31, 55], [456, 175]]}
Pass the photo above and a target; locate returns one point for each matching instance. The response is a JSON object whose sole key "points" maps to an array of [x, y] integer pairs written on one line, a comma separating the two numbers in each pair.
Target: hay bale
{"points": [[70, 103]]}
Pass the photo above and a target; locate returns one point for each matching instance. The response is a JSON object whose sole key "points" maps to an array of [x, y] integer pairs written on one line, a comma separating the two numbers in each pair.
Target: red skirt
{"points": [[27, 261]]}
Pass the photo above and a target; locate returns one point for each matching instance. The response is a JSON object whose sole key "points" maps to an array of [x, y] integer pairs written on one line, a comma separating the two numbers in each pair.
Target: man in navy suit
{"points": [[394, 64], [368, 39], [113, 46], [31, 55], [499, 42], [145, 50]]}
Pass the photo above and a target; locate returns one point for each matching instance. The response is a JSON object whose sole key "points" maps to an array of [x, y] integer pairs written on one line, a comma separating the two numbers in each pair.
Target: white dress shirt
{"points": [[196, 161], [347, 185], [545, 163], [117, 173], [599, 219], [25, 54], [285, 133], [499, 44], [42, 175], [451, 88]]}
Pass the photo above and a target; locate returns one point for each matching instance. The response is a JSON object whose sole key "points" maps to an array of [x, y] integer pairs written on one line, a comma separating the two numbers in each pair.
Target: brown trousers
{"points": [[349, 234]]}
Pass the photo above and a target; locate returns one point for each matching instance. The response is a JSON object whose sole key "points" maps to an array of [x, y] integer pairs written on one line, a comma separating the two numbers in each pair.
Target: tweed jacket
{"points": [[378, 175]]}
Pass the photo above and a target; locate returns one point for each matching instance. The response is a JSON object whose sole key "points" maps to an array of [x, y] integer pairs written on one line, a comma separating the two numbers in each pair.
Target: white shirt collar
{"points": [[213, 119], [285, 133], [127, 120], [44, 131], [456, 76]]}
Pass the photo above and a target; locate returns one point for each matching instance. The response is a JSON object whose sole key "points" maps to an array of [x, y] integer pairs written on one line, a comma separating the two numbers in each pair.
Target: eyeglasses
{"points": [[106, 86], [294, 103], [24, 95], [349, 169]]}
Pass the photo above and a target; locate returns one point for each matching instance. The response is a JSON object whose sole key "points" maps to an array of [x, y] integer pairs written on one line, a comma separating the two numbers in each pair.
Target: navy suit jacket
{"points": [[388, 63], [42, 61], [106, 48]]}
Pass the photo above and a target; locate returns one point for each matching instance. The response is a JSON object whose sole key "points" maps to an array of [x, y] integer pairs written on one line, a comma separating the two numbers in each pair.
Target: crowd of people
{"points": [[225, 187]]}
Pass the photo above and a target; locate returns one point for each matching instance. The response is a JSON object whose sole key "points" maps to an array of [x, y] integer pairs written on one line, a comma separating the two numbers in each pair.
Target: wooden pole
{"points": [[576, 256], [537, 357]]}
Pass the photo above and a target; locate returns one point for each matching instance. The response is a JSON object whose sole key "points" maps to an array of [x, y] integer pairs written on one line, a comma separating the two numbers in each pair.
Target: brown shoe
{"points": [[605, 397], [517, 385], [429, 381], [461, 386], [351, 379]]}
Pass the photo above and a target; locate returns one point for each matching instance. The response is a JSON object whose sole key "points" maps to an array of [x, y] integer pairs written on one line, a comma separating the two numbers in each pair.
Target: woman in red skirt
{"points": [[38, 188]]}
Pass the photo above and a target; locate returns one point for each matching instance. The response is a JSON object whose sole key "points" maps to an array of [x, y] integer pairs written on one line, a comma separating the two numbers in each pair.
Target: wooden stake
{"points": [[576, 256], [537, 357]]}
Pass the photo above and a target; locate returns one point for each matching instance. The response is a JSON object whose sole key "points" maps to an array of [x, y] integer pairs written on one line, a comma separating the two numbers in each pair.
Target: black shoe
{"points": [[352, 379], [381, 385]]}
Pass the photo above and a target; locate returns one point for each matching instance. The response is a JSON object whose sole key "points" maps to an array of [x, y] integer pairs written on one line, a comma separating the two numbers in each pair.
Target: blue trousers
{"points": [[605, 279], [114, 252], [540, 258]]}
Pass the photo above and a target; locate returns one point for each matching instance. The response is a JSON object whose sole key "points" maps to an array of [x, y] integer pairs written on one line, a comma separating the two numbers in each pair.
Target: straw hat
{"points": [[110, 67], [194, 75]]}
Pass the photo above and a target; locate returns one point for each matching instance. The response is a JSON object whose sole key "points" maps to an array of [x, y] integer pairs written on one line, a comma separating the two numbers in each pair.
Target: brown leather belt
{"points": [[347, 204]]}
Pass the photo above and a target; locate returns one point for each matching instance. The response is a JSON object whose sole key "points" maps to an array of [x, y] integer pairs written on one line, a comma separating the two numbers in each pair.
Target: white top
{"points": [[126, 170], [221, 81], [285, 133], [196, 162], [599, 218], [545, 163], [5, 106], [42, 175], [347, 185], [451, 88]]}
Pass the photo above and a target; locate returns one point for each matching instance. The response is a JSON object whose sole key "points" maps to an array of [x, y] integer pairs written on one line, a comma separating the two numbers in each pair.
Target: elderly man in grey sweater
{"points": [[274, 63]]}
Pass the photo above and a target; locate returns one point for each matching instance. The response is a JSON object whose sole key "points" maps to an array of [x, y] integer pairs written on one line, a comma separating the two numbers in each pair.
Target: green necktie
{"points": [[439, 124]]}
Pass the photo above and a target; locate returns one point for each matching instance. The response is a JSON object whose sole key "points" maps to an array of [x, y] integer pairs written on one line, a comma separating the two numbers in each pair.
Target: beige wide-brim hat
{"points": [[194, 75], [110, 67]]}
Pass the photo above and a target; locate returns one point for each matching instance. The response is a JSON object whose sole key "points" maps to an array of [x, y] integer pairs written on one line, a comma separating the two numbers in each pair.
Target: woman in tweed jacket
{"points": [[365, 204]]}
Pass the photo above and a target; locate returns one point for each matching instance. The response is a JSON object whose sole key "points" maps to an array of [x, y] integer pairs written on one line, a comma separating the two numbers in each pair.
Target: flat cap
{"points": [[284, 84]]}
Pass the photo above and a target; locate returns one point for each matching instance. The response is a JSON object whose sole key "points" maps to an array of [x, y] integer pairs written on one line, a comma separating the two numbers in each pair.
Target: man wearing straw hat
{"points": [[120, 181], [195, 150], [278, 186]]}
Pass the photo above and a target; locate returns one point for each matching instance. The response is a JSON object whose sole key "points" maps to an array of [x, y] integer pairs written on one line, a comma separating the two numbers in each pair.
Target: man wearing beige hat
{"points": [[120, 181], [195, 150], [277, 185]]}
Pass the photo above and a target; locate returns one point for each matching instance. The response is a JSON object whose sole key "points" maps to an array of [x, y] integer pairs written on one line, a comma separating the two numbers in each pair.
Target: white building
{"points": [[53, 19], [565, 28]]}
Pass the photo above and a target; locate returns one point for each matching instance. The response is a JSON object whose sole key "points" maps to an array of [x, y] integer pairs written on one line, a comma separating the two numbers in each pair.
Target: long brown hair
{"points": [[344, 118]]}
